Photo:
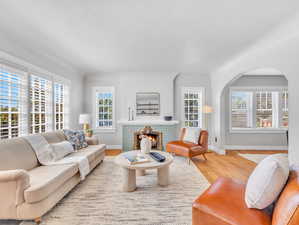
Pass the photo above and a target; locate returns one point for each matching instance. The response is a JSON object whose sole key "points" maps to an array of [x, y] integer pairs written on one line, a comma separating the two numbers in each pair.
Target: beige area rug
{"points": [[255, 157], [100, 201]]}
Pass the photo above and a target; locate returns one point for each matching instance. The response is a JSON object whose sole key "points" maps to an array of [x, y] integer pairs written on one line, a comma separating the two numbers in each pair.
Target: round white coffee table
{"points": [[129, 171]]}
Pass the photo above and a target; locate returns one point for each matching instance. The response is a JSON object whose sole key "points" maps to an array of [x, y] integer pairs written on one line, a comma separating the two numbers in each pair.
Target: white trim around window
{"points": [[276, 110], [104, 109], [200, 118]]}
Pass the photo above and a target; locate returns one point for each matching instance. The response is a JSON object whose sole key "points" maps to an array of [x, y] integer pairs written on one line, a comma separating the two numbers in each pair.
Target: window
{"points": [[26, 102], [259, 109], [60, 106], [192, 106], [13, 113], [241, 102], [284, 106], [264, 112], [41, 104], [104, 110]]}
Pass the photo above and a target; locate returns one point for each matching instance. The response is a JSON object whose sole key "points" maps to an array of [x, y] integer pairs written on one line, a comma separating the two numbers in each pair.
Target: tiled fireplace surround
{"points": [[169, 131]]}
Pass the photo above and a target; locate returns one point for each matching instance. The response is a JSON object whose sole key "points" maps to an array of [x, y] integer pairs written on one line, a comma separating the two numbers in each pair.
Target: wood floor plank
{"points": [[230, 165]]}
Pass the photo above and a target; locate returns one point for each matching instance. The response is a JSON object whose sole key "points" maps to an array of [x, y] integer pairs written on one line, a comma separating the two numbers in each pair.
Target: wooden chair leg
{"points": [[38, 220], [204, 156]]}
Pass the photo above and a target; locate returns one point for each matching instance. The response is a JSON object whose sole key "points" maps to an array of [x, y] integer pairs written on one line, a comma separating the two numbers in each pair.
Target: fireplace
{"points": [[154, 136]]}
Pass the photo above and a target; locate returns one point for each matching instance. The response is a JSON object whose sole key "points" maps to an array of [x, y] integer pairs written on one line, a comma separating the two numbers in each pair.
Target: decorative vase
{"points": [[145, 145]]}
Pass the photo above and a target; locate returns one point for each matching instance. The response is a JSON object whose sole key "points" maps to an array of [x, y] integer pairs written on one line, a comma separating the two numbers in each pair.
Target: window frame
{"points": [[24, 122], [95, 126], [202, 121], [276, 112]]}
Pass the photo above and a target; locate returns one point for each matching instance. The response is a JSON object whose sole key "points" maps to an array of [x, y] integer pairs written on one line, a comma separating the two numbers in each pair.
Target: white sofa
{"points": [[29, 190]]}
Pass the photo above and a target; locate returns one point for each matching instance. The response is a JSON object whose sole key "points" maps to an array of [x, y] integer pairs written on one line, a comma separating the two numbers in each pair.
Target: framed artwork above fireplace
{"points": [[147, 104]]}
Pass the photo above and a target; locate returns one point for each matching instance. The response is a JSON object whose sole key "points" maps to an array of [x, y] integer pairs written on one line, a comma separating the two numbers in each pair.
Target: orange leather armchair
{"points": [[189, 149], [224, 204]]}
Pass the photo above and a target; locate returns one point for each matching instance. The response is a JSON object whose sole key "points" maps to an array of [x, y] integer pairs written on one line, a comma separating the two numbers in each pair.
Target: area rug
{"points": [[255, 157], [99, 200]]}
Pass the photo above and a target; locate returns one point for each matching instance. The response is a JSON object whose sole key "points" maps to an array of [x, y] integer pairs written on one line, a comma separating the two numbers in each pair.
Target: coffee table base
{"points": [[129, 177], [129, 180]]}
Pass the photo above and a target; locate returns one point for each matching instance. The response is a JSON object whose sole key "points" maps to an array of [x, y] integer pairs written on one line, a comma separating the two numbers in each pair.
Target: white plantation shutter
{"points": [[61, 106], [41, 105], [259, 108], [13, 102], [241, 111]]}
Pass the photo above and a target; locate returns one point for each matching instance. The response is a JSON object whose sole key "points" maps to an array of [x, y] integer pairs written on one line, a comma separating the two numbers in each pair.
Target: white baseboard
{"points": [[263, 147], [113, 147]]}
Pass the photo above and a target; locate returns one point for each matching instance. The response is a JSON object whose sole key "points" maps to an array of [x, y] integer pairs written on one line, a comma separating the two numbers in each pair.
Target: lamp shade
{"points": [[207, 109], [84, 119]]}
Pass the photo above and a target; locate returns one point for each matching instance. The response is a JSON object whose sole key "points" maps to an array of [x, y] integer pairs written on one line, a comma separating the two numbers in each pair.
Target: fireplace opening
{"points": [[154, 136]]}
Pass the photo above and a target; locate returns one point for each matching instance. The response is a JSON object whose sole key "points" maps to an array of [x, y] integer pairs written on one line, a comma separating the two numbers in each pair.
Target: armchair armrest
{"points": [[12, 186], [94, 140]]}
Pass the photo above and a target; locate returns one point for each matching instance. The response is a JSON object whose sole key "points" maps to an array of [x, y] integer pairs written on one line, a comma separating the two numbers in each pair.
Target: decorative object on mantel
{"points": [[131, 114], [168, 118], [147, 104], [85, 120]]}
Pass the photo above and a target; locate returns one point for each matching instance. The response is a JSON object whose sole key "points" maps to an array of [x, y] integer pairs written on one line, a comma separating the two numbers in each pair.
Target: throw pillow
{"points": [[267, 181], [192, 134], [61, 149], [76, 138]]}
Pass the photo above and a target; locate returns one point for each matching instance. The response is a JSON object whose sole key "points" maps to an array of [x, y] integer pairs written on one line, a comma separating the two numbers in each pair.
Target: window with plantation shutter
{"points": [[285, 109], [259, 109], [41, 110], [264, 112], [193, 99], [61, 95], [240, 111], [13, 102]]}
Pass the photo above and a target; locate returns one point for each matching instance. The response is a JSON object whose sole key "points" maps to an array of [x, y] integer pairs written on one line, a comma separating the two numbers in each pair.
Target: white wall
{"points": [[191, 80], [280, 51], [12, 53], [126, 86], [253, 139]]}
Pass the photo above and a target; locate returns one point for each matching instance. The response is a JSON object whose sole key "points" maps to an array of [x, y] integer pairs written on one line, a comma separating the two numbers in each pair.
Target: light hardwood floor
{"points": [[230, 165]]}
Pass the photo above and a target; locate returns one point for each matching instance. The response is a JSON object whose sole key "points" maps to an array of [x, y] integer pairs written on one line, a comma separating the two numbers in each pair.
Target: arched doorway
{"points": [[254, 111]]}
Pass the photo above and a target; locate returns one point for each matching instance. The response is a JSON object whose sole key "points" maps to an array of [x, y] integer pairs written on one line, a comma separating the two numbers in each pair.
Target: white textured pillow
{"points": [[192, 134], [267, 181], [61, 149]]}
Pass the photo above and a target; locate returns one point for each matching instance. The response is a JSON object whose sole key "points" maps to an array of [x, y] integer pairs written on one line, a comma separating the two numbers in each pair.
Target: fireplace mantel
{"points": [[148, 122]]}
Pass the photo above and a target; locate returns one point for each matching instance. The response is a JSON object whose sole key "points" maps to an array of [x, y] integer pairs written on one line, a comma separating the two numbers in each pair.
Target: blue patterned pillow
{"points": [[76, 138]]}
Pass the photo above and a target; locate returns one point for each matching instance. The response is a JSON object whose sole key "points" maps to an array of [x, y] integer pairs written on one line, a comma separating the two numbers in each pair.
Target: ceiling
{"points": [[139, 35]]}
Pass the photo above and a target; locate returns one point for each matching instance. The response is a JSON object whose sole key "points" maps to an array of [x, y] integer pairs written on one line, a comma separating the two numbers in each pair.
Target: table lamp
{"points": [[85, 120]]}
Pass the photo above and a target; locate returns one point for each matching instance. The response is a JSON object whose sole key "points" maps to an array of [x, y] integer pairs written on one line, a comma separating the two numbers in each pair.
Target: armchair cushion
{"points": [[224, 204], [184, 148]]}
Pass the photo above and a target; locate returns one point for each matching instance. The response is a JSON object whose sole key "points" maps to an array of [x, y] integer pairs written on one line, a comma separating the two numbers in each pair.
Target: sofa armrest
{"points": [[94, 140], [12, 186]]}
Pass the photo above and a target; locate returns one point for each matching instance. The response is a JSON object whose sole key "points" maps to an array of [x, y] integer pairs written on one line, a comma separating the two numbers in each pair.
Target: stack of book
{"points": [[134, 158]]}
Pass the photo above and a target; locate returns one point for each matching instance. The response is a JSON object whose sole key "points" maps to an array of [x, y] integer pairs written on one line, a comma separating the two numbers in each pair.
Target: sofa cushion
{"points": [[76, 138], [224, 203], [61, 149], [91, 152], [17, 153], [267, 181], [54, 137], [46, 179]]}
